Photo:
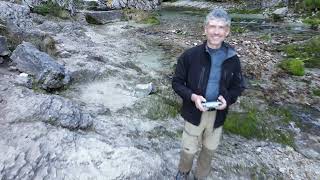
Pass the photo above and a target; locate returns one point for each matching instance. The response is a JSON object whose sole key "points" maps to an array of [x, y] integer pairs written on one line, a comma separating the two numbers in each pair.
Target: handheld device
{"points": [[211, 105]]}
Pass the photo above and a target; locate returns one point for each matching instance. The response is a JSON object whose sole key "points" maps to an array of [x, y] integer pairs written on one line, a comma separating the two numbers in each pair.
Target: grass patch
{"points": [[153, 20], [316, 92], [264, 125], [51, 8], [161, 131], [162, 108], [266, 37], [293, 66], [312, 4], [308, 52], [314, 22], [141, 16], [238, 29]]}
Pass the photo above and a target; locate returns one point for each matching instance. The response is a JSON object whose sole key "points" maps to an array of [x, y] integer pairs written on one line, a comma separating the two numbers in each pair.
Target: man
{"points": [[205, 73]]}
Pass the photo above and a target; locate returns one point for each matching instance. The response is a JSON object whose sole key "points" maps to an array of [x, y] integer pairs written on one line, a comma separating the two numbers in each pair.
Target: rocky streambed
{"points": [[118, 118]]}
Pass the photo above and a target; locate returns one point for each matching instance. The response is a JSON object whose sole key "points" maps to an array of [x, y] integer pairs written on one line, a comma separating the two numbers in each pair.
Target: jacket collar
{"points": [[230, 50]]}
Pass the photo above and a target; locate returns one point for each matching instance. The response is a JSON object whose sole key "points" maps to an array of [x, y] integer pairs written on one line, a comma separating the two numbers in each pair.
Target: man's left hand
{"points": [[223, 103]]}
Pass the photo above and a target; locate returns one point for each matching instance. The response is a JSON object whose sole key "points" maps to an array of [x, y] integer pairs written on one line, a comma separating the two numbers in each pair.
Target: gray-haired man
{"points": [[206, 73]]}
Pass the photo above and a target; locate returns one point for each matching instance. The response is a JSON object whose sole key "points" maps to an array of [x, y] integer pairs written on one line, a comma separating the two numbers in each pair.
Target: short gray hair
{"points": [[218, 14]]}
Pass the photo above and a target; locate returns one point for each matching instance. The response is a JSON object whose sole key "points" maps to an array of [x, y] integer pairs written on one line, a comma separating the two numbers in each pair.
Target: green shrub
{"points": [[51, 8], [293, 66], [141, 16]]}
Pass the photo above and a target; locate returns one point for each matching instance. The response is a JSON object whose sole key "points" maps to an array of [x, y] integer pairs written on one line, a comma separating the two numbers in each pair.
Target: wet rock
{"points": [[103, 17], [48, 74], [1, 60], [4, 51]]}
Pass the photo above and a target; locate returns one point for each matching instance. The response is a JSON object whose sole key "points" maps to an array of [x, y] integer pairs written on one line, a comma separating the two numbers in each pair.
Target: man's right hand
{"points": [[197, 99]]}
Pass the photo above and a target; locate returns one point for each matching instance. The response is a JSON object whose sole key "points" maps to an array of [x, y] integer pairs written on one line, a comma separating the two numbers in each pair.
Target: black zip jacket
{"points": [[192, 74]]}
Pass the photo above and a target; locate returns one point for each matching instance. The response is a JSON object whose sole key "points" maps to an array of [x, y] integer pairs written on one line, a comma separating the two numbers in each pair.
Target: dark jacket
{"points": [[191, 76]]}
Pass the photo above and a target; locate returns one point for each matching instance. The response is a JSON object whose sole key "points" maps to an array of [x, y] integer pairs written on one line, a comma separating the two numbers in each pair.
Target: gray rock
{"points": [[281, 12], [48, 74], [18, 15], [143, 4], [49, 26], [103, 17], [1, 60], [4, 51], [142, 90], [271, 3], [23, 80], [23, 105]]}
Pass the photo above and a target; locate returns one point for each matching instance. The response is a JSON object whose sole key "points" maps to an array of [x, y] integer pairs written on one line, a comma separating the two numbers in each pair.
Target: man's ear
{"points": [[205, 30]]}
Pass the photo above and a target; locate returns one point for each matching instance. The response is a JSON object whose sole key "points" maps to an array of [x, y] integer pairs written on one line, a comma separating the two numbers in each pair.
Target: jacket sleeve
{"points": [[237, 85], [180, 78]]}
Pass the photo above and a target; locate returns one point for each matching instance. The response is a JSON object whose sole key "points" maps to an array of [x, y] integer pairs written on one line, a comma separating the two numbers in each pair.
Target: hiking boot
{"points": [[182, 175]]}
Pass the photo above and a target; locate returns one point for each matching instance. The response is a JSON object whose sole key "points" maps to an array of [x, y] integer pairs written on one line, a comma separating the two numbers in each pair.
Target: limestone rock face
{"points": [[48, 73]]}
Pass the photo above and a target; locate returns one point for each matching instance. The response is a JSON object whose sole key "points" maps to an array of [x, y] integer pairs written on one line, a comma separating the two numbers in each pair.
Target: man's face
{"points": [[216, 31]]}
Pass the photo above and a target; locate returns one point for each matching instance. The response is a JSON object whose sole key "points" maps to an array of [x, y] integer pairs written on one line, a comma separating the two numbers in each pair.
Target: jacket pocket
{"points": [[201, 77]]}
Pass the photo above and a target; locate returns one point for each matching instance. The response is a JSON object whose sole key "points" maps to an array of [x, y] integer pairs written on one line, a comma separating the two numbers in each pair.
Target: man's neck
{"points": [[212, 46]]}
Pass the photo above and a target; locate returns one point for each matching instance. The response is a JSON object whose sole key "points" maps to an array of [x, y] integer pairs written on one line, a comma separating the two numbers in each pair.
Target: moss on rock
{"points": [[51, 8], [308, 52], [293, 66], [264, 125]]}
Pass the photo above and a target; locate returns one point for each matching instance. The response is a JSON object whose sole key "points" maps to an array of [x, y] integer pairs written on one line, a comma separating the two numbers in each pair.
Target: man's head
{"points": [[217, 27]]}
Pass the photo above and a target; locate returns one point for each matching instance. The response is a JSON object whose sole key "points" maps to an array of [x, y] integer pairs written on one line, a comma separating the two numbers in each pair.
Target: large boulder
{"points": [[48, 73]]}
